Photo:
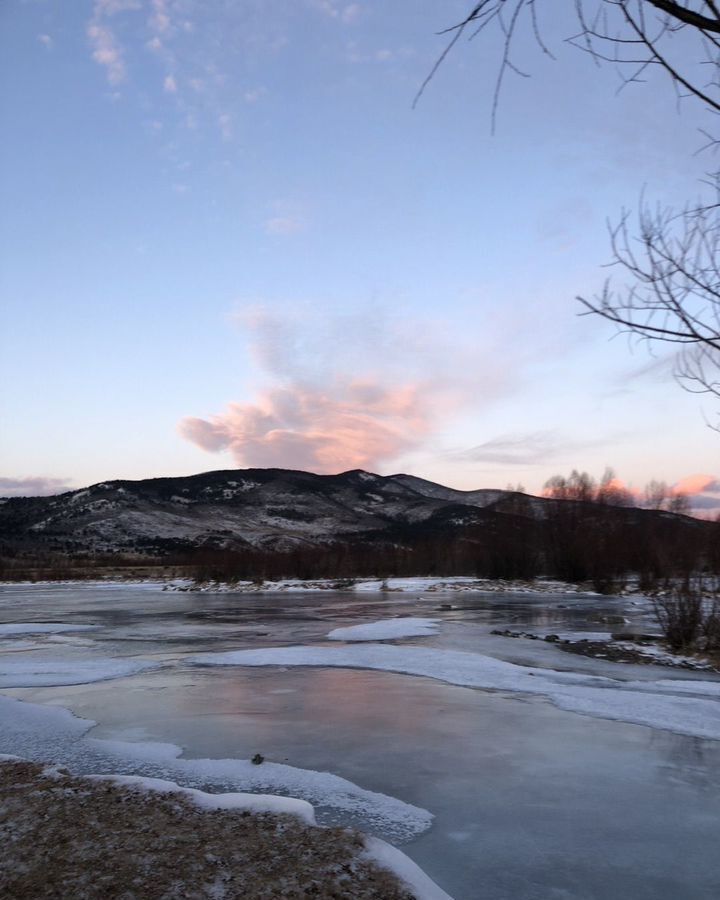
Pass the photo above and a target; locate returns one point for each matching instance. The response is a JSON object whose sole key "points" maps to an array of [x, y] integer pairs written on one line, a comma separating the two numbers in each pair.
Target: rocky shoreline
{"points": [[622, 647]]}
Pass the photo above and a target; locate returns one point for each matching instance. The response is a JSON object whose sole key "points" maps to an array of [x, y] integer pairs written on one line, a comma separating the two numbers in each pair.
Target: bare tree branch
{"points": [[671, 265]]}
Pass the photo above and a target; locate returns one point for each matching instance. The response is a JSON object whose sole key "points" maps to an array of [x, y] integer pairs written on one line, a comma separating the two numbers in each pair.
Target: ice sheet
{"points": [[44, 672], [385, 629], [48, 733], [654, 704], [41, 628]]}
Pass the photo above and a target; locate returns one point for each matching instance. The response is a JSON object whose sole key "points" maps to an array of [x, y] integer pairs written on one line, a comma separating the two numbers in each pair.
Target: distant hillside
{"points": [[260, 512], [267, 508]]}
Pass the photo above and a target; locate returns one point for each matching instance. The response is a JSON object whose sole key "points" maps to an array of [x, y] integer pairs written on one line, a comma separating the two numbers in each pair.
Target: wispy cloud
{"points": [[356, 54], [254, 94], [160, 18], [225, 125], [106, 49], [707, 502], [34, 486], [347, 13], [281, 225], [522, 449], [697, 484], [107, 52], [346, 391]]}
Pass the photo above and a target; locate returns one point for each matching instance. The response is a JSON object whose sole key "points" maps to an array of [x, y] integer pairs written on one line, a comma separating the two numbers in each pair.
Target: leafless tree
{"points": [[680, 615], [579, 486], [657, 495], [611, 492], [671, 289], [670, 292]]}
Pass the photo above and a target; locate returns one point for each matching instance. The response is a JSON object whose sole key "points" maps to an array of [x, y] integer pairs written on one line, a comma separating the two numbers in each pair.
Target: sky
{"points": [[231, 240]]}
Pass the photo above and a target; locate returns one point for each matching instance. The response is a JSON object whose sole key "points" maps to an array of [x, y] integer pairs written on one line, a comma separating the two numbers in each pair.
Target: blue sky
{"points": [[230, 240]]}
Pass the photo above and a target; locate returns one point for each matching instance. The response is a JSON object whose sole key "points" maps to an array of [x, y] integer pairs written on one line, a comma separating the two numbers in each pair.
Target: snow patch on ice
{"points": [[35, 722], [385, 629], [36, 672], [655, 704]]}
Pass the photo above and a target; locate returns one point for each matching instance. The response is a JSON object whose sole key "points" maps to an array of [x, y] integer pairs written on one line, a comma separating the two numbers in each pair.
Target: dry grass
{"points": [[68, 837]]}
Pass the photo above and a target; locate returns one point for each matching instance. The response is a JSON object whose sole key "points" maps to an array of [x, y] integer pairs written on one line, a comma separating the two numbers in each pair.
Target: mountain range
{"points": [[270, 510], [261, 508]]}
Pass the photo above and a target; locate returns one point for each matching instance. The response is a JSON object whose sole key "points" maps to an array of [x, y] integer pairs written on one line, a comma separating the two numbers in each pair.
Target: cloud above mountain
{"points": [[348, 425], [344, 391]]}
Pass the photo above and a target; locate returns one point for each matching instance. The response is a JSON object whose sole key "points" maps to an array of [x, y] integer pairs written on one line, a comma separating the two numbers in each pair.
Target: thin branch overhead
{"points": [[670, 263]]}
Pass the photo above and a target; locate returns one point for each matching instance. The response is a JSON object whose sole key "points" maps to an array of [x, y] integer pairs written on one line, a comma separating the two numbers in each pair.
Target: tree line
{"points": [[609, 491]]}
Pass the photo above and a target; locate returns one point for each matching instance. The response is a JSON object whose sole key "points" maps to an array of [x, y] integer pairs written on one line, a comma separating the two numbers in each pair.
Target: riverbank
{"points": [[110, 837]]}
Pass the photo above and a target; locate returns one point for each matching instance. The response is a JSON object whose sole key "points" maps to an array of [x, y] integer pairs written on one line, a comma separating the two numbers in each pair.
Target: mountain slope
{"points": [[284, 510], [274, 508]]}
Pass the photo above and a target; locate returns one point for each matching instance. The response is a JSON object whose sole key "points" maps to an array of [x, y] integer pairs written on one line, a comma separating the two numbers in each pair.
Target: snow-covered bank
{"points": [[257, 803], [424, 584], [655, 704], [376, 850], [409, 872], [648, 649], [112, 581], [68, 835]]}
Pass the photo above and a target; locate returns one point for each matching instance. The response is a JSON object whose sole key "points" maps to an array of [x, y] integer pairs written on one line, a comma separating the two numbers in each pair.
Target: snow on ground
{"points": [[582, 635], [322, 789], [655, 704], [663, 655], [385, 629], [453, 584], [378, 851], [13, 588], [389, 857], [41, 628], [53, 733], [44, 672], [257, 803], [74, 836]]}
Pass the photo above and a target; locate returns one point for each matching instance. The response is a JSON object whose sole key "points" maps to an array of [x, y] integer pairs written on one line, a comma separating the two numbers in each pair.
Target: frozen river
{"points": [[507, 769]]}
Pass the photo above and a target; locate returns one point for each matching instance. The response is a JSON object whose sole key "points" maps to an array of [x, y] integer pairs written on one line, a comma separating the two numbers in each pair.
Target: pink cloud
{"points": [[347, 390], [696, 484], [356, 425], [107, 52]]}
